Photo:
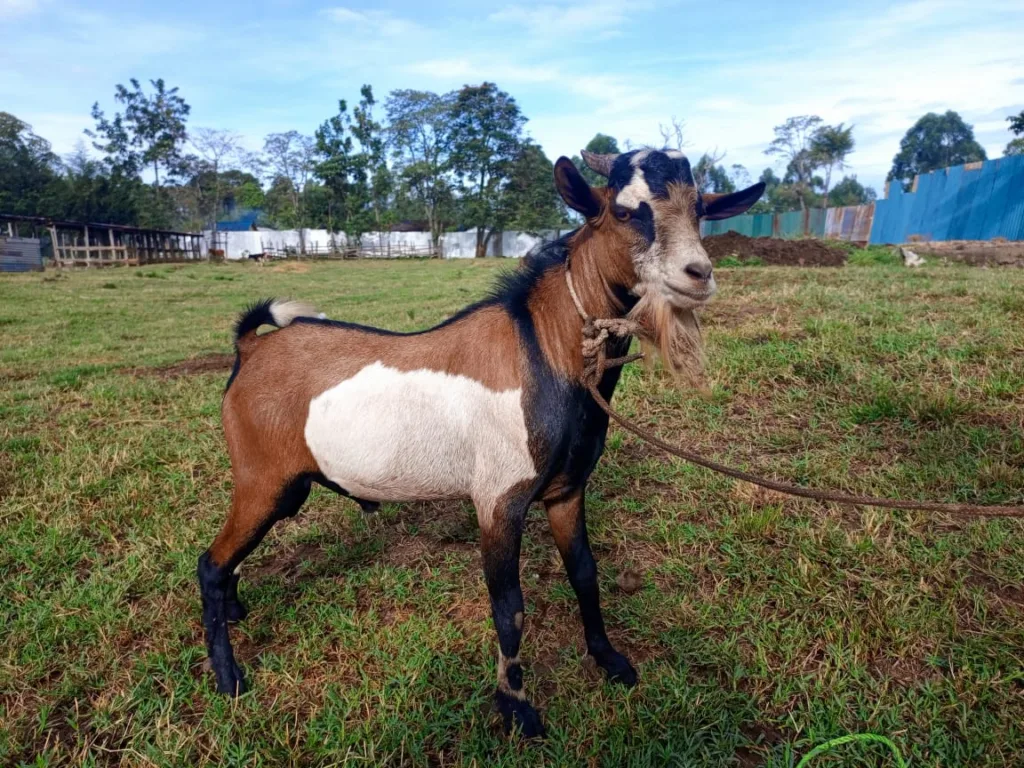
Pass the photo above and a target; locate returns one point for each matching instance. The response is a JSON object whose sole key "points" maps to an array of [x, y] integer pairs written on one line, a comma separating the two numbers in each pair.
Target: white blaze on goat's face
{"points": [[655, 192]]}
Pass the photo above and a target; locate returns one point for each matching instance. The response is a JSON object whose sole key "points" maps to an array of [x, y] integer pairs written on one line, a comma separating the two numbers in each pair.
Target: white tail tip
{"points": [[284, 312]]}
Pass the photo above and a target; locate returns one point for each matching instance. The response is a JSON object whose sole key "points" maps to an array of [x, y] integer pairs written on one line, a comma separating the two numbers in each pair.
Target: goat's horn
{"points": [[599, 163]]}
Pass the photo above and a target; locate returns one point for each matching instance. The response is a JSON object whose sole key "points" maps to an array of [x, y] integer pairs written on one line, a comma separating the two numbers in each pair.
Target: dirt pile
{"points": [[775, 251]]}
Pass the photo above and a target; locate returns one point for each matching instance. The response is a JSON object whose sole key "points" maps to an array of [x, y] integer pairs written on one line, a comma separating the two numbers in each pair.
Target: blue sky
{"points": [[730, 70]]}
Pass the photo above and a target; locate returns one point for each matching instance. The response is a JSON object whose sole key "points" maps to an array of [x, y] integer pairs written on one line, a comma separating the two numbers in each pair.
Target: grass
{"points": [[764, 626]]}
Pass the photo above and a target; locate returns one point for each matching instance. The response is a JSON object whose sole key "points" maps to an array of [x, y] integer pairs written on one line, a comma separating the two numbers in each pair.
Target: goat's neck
{"points": [[602, 283], [558, 323]]}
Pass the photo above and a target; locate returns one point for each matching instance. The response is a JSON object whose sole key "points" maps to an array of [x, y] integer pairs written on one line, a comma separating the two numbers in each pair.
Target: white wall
{"points": [[454, 245]]}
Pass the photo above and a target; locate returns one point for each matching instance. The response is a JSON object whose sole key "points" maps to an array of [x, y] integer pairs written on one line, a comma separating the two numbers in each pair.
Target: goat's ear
{"points": [[574, 189], [733, 204]]}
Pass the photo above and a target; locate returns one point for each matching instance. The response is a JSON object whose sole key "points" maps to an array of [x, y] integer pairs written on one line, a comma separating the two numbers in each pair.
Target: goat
{"points": [[489, 405]]}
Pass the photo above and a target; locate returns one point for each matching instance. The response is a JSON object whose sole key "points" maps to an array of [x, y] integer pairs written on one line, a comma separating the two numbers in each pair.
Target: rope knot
{"points": [[596, 332]]}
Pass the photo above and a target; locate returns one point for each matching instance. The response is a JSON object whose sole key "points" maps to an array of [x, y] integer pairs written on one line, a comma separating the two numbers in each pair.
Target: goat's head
{"points": [[647, 221]]}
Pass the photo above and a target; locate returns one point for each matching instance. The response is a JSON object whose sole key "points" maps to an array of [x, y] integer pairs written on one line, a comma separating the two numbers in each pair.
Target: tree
{"points": [[849, 191], [420, 135], [792, 142], [935, 141], [287, 163], [91, 192], [372, 164], [830, 146], [709, 176], [28, 169], [353, 166], [218, 149], [1016, 146], [530, 201], [487, 127], [150, 133], [673, 135]]}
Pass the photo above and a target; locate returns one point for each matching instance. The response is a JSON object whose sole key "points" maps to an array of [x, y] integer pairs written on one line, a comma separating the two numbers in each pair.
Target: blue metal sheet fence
{"points": [[977, 201], [809, 223]]}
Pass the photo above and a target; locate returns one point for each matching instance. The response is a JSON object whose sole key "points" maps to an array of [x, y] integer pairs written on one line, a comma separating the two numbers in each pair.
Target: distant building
{"points": [[245, 222]]}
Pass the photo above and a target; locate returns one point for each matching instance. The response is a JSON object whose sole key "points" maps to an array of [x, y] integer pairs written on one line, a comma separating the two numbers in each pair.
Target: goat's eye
{"points": [[623, 214]]}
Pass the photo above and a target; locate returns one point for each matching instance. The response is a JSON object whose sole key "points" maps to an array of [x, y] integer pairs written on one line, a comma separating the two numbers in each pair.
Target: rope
{"points": [[863, 737], [597, 331]]}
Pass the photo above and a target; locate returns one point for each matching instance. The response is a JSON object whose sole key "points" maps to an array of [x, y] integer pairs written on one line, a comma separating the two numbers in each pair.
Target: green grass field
{"points": [[764, 625]]}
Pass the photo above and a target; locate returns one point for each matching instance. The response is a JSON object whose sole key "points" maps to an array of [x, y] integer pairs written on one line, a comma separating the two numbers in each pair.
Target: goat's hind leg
{"points": [[254, 510]]}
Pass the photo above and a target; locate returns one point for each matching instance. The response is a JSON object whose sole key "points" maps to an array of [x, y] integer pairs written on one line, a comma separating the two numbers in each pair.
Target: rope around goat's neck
{"points": [[596, 333]]}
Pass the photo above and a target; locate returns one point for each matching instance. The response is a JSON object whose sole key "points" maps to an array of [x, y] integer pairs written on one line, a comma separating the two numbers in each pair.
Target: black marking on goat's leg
{"points": [[234, 608], [218, 584], [501, 536], [213, 585], [568, 525]]}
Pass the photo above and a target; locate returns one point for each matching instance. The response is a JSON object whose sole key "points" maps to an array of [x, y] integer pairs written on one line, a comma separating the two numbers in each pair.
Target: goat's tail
{"points": [[276, 312]]}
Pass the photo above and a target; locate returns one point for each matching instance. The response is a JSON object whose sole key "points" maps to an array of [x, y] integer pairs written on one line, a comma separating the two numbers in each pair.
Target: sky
{"points": [[730, 70]]}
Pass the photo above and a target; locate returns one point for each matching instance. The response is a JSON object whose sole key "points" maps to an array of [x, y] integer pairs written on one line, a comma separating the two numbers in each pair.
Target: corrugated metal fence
{"points": [[20, 254], [849, 223], [977, 201]]}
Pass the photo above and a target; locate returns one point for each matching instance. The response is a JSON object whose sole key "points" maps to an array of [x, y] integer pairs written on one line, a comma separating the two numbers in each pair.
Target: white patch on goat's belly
{"points": [[391, 435]]}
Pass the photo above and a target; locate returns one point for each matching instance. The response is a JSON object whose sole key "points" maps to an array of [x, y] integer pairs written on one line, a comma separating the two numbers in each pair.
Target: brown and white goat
{"points": [[489, 405]]}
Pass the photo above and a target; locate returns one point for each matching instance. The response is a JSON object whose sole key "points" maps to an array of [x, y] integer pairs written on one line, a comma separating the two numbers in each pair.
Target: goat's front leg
{"points": [[569, 527], [501, 531]]}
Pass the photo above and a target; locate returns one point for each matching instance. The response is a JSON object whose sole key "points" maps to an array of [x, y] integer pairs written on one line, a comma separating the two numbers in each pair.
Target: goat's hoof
{"points": [[519, 715], [231, 681], [617, 668], [235, 611]]}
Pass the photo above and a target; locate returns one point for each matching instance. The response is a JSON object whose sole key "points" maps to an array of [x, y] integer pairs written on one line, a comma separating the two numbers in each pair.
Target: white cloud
{"points": [[547, 21], [372, 22]]}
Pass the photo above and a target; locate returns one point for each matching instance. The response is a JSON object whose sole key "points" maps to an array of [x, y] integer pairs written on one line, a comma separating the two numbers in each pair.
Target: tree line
{"points": [[459, 160]]}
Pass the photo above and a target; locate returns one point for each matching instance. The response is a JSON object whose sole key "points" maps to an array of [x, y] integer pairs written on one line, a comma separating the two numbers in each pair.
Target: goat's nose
{"points": [[699, 271]]}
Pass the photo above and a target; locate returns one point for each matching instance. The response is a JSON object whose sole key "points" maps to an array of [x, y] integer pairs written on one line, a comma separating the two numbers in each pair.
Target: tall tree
{"points": [[287, 163], [830, 146], [150, 133], [935, 141], [353, 165], [420, 135], [792, 143], [28, 169], [531, 202], [219, 149], [487, 126], [373, 169], [1016, 146], [601, 145]]}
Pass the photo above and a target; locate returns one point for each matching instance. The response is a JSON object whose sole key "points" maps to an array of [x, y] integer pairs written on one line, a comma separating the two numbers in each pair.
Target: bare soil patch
{"points": [[774, 251], [213, 363]]}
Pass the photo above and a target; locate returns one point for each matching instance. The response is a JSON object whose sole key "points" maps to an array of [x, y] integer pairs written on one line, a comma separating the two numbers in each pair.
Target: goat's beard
{"points": [[674, 335]]}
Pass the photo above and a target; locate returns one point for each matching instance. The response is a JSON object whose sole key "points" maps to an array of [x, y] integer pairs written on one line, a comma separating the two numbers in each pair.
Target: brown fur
{"points": [[265, 409]]}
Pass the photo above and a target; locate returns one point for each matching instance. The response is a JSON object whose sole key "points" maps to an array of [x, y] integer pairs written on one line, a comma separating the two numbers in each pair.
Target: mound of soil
{"points": [[775, 251]]}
